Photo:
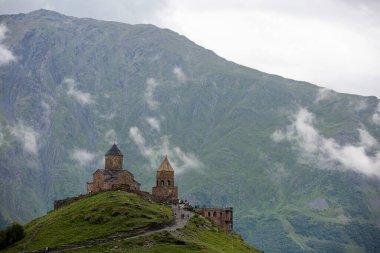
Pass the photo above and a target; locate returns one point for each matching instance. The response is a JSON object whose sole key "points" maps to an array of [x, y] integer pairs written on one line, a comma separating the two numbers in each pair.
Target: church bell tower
{"points": [[165, 189], [114, 159]]}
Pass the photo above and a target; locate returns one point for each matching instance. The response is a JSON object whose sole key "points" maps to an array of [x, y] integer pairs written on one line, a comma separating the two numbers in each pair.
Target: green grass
{"points": [[93, 217], [101, 215], [203, 232], [200, 235]]}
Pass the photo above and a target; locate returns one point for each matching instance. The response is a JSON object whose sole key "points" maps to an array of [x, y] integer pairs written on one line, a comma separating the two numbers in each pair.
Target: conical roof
{"points": [[165, 165], [114, 150]]}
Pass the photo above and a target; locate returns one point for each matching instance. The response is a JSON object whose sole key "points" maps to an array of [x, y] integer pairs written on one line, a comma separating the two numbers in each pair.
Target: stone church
{"points": [[165, 189], [113, 177]]}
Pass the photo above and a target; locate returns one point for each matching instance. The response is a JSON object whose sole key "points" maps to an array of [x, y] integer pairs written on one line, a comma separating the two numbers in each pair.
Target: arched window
{"points": [[214, 214], [168, 182], [162, 183], [209, 214]]}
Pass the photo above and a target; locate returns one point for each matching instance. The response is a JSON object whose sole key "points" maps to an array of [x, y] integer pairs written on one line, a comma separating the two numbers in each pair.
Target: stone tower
{"points": [[165, 189], [114, 159]]}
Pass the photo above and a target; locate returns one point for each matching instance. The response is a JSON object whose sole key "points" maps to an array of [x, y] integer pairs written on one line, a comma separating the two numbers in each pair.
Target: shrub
{"points": [[14, 233], [3, 240], [11, 234]]}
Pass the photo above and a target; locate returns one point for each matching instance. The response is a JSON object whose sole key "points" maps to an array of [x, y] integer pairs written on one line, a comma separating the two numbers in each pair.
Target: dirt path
{"points": [[181, 217], [34, 234]]}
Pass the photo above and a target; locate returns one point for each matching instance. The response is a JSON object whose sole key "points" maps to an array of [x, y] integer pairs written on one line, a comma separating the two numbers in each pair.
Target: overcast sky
{"points": [[331, 43]]}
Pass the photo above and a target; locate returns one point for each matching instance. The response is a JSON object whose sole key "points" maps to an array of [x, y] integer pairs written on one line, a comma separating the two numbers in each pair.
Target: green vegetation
{"points": [[109, 213], [199, 235], [12, 234], [96, 216]]}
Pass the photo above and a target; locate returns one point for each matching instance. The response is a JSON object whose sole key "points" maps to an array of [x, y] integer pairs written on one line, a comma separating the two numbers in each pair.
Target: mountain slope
{"points": [[129, 222], [275, 149]]}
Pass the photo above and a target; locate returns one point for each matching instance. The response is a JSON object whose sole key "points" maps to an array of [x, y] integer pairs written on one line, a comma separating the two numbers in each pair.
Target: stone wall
{"points": [[112, 179], [221, 216], [165, 193], [63, 202]]}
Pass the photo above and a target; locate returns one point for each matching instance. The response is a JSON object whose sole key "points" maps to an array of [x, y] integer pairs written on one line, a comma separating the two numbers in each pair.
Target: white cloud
{"points": [[139, 140], [180, 160], [278, 136], [313, 145], [110, 136], [46, 111], [27, 136], [358, 105], [154, 123], [108, 116], [83, 157], [367, 140], [151, 85], [179, 74], [6, 56], [324, 94], [1, 135], [81, 97], [376, 116]]}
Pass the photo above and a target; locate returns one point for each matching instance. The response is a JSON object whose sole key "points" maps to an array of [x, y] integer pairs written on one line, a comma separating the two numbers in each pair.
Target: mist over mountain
{"points": [[300, 164]]}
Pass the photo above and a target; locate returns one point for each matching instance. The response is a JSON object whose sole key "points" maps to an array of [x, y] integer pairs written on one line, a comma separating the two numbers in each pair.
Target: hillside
{"points": [[299, 163], [137, 225]]}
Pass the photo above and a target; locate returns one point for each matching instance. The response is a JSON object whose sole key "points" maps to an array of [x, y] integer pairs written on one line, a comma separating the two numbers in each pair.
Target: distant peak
{"points": [[45, 12]]}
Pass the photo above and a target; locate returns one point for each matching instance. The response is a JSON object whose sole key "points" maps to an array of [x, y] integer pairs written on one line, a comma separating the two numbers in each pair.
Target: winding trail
{"points": [[180, 219], [34, 234]]}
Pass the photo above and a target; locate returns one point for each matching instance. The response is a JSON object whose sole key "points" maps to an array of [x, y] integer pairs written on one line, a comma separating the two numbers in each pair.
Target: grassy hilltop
{"points": [[117, 213]]}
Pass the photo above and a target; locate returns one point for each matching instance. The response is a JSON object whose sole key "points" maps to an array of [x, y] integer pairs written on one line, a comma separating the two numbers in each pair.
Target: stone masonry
{"points": [[113, 177]]}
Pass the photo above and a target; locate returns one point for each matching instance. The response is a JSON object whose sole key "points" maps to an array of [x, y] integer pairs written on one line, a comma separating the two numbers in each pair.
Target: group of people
{"points": [[182, 204]]}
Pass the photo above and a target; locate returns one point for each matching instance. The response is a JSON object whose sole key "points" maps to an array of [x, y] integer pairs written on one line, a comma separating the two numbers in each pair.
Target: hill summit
{"points": [[117, 221]]}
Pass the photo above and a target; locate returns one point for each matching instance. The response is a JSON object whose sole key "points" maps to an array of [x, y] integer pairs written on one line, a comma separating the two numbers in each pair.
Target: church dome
{"points": [[114, 151]]}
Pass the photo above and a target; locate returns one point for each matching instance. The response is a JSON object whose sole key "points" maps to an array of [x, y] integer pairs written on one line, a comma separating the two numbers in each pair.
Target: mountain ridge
{"points": [[78, 83]]}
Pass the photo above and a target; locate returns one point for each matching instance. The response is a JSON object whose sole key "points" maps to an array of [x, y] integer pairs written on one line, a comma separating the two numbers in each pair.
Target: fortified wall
{"points": [[221, 216]]}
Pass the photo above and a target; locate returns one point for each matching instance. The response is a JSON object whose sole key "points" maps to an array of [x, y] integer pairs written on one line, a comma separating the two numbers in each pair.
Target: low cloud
{"points": [[324, 94], [358, 105], [180, 160], [366, 140], [151, 85], [1, 136], [83, 157], [179, 74], [27, 136], [360, 157], [108, 116], [46, 111], [154, 123], [139, 140], [81, 97], [376, 116], [6, 56]]}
